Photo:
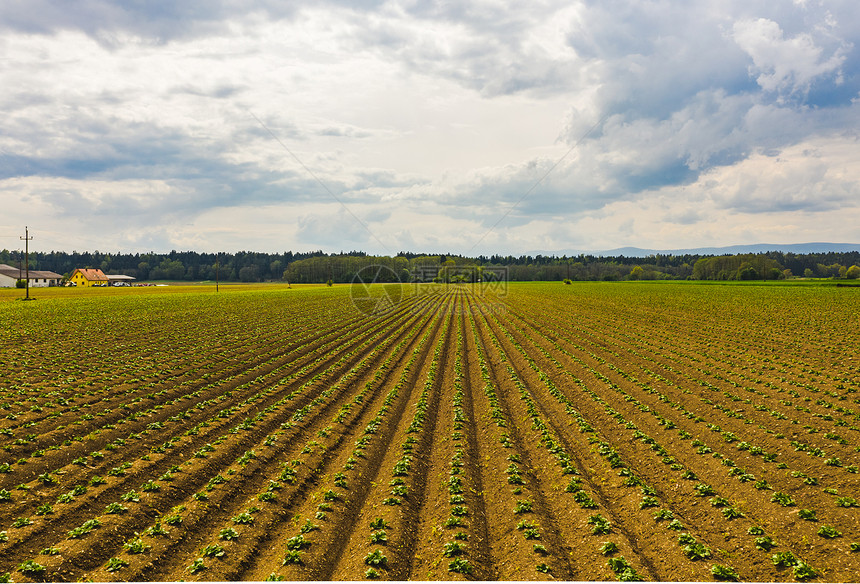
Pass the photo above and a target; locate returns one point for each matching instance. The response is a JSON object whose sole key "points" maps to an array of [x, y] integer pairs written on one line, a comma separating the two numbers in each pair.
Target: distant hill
{"points": [[798, 248]]}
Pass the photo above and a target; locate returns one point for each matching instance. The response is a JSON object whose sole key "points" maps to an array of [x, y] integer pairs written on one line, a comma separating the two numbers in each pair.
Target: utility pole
{"points": [[26, 239], [216, 272]]}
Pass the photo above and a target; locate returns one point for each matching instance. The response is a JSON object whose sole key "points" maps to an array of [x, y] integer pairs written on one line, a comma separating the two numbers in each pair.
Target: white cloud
{"points": [[784, 65], [429, 121]]}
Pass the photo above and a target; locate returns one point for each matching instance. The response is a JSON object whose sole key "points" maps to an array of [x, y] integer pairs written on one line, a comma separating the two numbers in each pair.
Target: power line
{"points": [[316, 178], [540, 180]]}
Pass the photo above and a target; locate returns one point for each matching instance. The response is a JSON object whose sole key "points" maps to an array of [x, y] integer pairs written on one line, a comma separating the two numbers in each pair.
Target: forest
{"points": [[320, 267]]}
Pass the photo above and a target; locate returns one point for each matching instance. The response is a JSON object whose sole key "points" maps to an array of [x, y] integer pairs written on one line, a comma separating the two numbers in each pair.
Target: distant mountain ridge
{"points": [[798, 248]]}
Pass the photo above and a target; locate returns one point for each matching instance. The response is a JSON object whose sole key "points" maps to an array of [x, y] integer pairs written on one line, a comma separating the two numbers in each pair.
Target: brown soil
{"points": [[486, 438]]}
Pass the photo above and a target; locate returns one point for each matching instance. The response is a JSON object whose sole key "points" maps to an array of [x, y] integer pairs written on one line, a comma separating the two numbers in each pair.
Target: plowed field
{"points": [[584, 432]]}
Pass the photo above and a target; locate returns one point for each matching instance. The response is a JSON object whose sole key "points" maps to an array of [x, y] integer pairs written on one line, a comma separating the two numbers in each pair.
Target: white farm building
{"points": [[9, 276]]}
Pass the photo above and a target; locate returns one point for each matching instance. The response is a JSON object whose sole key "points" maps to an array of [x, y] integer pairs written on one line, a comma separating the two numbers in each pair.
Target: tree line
{"points": [[319, 267]]}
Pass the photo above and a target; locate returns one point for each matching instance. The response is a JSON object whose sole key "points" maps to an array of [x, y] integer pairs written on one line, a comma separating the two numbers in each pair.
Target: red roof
{"points": [[92, 274]]}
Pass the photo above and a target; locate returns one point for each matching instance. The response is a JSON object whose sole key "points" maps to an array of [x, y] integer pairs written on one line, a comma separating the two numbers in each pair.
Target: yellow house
{"points": [[86, 277]]}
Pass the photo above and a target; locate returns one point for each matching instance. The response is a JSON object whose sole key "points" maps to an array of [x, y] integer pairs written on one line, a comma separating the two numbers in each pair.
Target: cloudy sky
{"points": [[451, 126]]}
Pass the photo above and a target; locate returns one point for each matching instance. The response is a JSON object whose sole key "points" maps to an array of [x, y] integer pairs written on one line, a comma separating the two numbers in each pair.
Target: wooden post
{"points": [[27, 239]]}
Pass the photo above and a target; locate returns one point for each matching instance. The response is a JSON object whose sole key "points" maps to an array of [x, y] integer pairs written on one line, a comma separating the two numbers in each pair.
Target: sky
{"points": [[465, 127]]}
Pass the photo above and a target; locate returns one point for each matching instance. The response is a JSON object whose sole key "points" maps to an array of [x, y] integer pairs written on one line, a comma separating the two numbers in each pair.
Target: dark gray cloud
{"points": [[166, 94], [105, 20]]}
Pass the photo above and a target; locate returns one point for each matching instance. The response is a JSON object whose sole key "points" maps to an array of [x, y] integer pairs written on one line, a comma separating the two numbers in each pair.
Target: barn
{"points": [[10, 275]]}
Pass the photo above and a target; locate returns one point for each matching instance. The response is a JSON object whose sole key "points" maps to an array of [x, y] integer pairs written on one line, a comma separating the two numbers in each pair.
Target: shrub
{"points": [[293, 557], [726, 573], [783, 499], [228, 534], [243, 519], [308, 527], [213, 550], [608, 548], [31, 568], [600, 524], [47, 479], [115, 509], [802, 570], [783, 559], [663, 514], [378, 523], [115, 564], [543, 568], [731, 513], [523, 506], [697, 551], [136, 546], [330, 496], [131, 496], [451, 549], [296, 542], [808, 514], [460, 566], [828, 531], [376, 558], [84, 529], [623, 570]]}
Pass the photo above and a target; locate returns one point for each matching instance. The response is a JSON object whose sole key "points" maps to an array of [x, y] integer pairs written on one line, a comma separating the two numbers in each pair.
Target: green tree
{"points": [[747, 272], [636, 273], [249, 274], [853, 272], [276, 268]]}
